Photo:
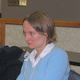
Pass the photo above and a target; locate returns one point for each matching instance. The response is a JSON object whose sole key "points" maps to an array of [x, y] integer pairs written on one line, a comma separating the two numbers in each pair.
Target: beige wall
{"points": [[14, 36], [67, 38], [75, 68]]}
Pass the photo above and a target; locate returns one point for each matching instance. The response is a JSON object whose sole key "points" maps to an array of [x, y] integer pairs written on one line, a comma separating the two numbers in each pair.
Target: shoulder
{"points": [[58, 53], [58, 58]]}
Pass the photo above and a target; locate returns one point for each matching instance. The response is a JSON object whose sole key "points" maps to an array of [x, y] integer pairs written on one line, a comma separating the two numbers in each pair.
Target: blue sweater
{"points": [[54, 66]]}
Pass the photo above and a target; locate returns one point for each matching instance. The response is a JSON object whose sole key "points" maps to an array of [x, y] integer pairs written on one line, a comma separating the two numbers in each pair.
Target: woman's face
{"points": [[32, 37]]}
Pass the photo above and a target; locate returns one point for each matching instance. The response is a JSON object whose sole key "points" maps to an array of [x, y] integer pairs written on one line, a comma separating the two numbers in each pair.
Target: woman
{"points": [[46, 61]]}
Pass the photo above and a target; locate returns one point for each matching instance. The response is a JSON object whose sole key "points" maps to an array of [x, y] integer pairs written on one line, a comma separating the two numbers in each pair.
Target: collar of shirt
{"points": [[26, 56], [46, 50]]}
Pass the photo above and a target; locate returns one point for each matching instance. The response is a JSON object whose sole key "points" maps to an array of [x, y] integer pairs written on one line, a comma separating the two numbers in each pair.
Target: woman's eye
{"points": [[31, 33]]}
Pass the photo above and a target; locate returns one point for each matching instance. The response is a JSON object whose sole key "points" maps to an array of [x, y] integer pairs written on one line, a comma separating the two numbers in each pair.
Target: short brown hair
{"points": [[42, 23]]}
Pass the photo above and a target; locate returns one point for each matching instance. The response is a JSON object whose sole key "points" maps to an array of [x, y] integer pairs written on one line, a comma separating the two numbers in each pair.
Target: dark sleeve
{"points": [[13, 69]]}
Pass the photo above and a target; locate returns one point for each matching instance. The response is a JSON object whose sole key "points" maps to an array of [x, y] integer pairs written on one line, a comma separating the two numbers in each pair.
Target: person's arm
{"points": [[57, 66], [20, 77], [12, 69]]}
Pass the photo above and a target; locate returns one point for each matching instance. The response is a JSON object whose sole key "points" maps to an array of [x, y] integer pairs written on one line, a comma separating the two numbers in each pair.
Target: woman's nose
{"points": [[27, 37]]}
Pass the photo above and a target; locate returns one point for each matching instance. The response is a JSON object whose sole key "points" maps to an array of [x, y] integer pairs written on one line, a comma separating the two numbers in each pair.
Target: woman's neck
{"points": [[39, 50]]}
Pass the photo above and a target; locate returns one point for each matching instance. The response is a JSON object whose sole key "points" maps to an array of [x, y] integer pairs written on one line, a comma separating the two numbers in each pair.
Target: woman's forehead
{"points": [[27, 26]]}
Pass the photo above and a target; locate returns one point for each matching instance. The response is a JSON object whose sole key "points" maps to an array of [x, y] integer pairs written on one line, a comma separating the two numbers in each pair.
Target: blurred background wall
{"points": [[0, 6], [63, 10]]}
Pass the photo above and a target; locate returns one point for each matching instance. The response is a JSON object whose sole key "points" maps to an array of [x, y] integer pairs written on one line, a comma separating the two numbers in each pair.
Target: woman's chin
{"points": [[31, 47]]}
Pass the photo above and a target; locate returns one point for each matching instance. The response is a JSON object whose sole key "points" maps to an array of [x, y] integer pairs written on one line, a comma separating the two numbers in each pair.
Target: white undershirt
{"points": [[46, 50]]}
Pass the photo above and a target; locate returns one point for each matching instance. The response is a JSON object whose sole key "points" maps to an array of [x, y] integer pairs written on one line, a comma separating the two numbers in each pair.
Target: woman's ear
{"points": [[46, 35]]}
